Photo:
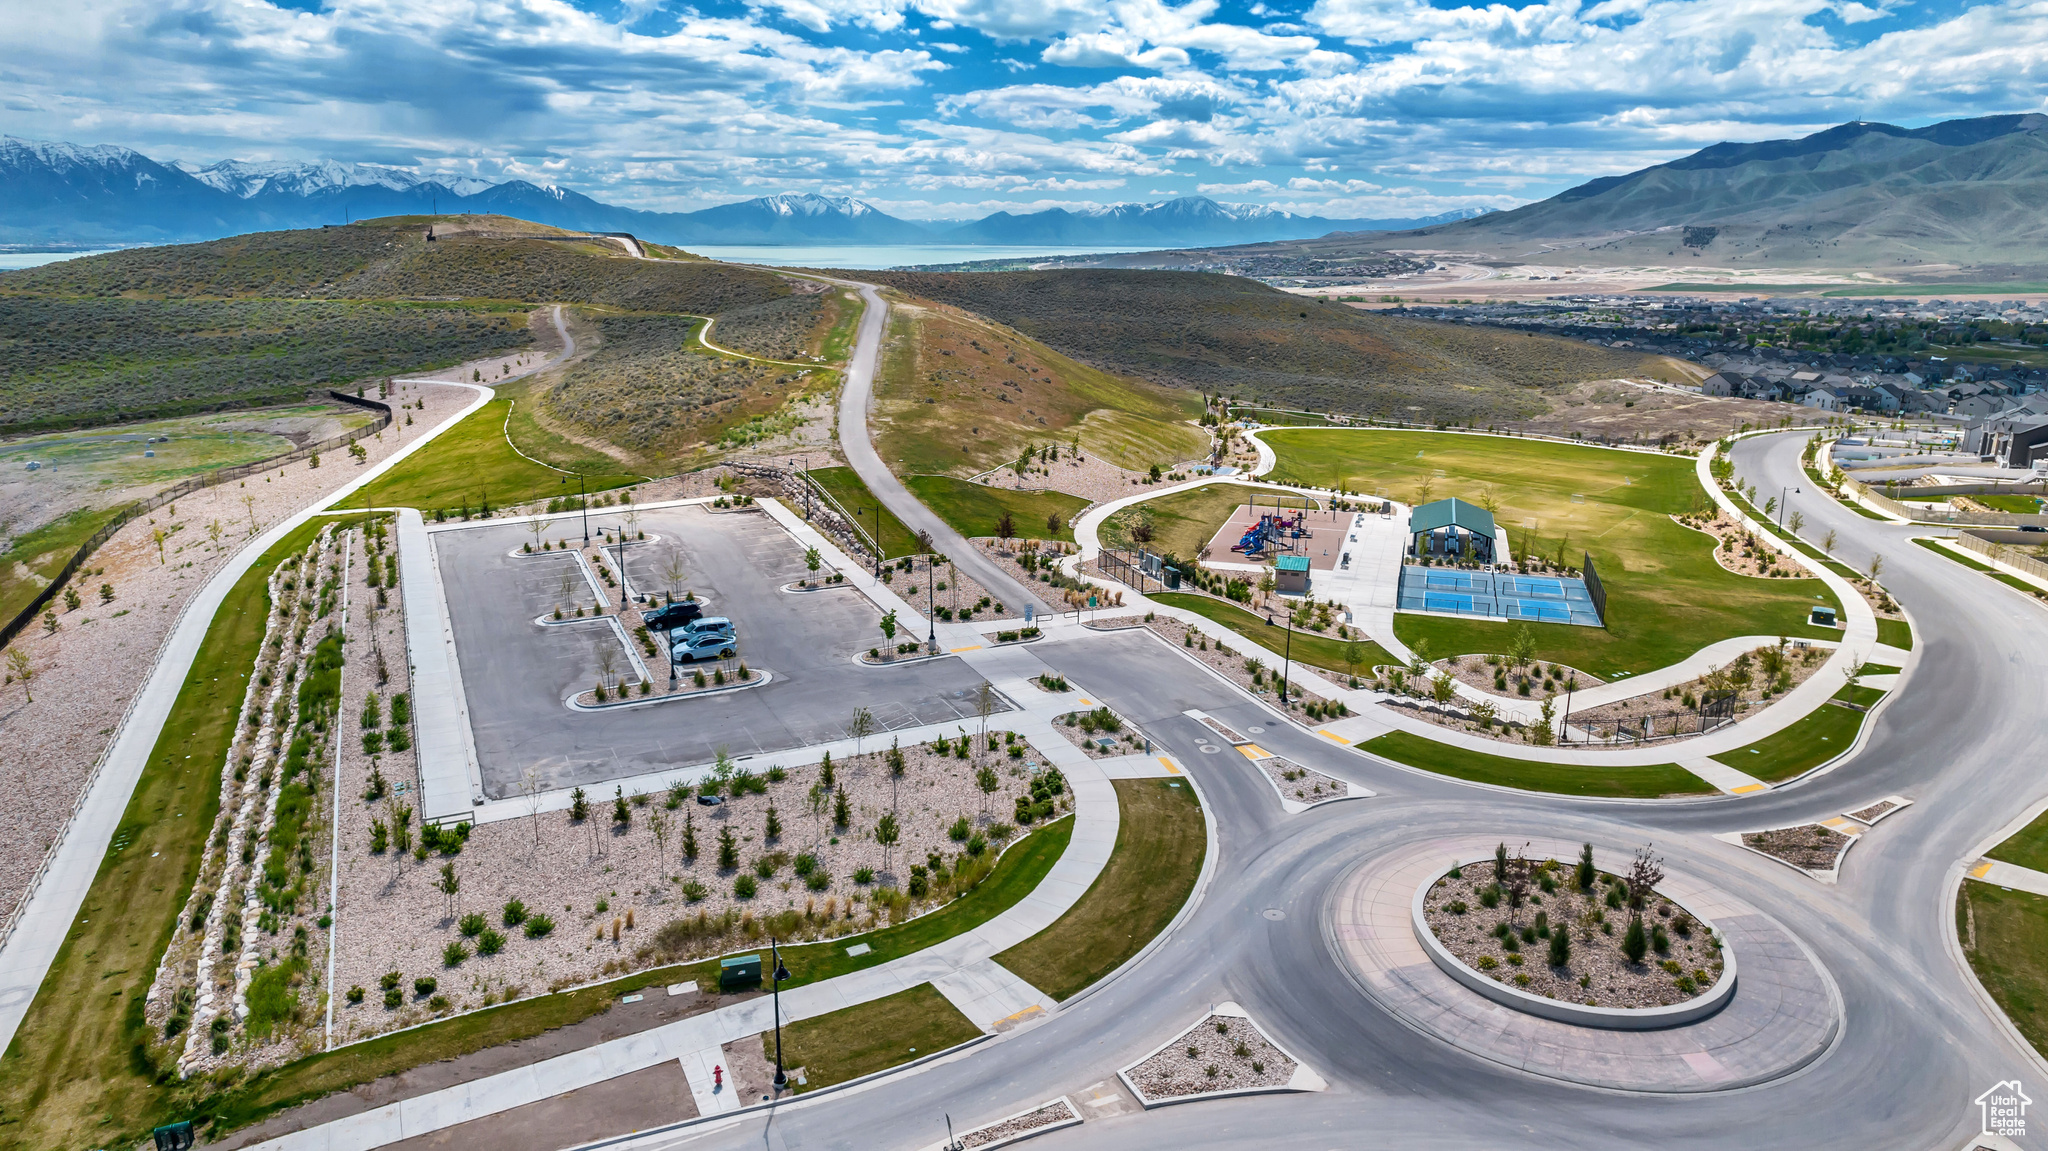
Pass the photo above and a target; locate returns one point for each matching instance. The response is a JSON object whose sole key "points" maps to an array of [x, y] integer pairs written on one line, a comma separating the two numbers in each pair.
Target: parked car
{"points": [[714, 645], [673, 616], [709, 625]]}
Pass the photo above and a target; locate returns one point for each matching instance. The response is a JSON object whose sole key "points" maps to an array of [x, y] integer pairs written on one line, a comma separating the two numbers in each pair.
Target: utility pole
{"points": [[1287, 659], [775, 979]]}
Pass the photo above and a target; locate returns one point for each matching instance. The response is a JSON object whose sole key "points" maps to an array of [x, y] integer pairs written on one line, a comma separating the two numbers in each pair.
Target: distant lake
{"points": [[878, 256], [10, 261]]}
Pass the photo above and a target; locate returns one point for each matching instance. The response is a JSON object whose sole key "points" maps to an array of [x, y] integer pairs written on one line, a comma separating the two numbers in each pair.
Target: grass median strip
{"points": [[1895, 633], [1326, 652], [1825, 733], [976, 509], [1974, 564], [844, 485], [2028, 848], [472, 463], [870, 1037], [2005, 937], [1605, 780], [81, 1070], [1161, 839]]}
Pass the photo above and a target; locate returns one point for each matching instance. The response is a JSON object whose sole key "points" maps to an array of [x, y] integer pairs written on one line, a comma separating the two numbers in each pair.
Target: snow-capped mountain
{"points": [[1190, 221], [54, 192]]}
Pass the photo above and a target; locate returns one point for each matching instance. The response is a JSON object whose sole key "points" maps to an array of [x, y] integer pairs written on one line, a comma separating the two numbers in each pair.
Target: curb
{"points": [[1311, 1082], [761, 677]]}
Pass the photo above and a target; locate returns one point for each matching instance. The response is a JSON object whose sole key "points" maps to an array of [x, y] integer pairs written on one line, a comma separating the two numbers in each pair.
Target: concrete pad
{"points": [[2011, 875], [992, 997], [450, 781], [1724, 777]]}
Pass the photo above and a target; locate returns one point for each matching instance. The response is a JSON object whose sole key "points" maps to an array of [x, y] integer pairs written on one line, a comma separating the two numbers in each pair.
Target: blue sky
{"points": [[955, 108]]}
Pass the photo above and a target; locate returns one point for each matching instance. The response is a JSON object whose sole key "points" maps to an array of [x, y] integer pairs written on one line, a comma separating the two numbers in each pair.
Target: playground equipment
{"points": [[1275, 533]]}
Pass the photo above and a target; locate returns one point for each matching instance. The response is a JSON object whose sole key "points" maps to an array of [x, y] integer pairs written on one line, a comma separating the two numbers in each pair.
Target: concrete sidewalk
{"points": [[961, 966], [2010, 875], [451, 783]]}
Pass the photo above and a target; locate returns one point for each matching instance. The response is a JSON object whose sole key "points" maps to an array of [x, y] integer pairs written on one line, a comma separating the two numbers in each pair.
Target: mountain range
{"points": [[56, 193], [1962, 196]]}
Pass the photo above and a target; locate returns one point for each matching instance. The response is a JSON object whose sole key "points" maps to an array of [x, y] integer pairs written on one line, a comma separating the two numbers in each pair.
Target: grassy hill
{"points": [[959, 395], [256, 318], [1236, 336]]}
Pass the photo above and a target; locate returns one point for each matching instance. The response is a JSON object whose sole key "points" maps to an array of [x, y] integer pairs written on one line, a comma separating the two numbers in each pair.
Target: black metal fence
{"points": [[183, 488], [1595, 588]]}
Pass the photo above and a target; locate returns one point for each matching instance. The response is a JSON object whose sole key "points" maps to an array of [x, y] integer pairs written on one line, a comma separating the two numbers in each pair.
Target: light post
{"points": [[1287, 659], [775, 979], [621, 554], [584, 502], [931, 601], [1781, 502], [875, 514]]}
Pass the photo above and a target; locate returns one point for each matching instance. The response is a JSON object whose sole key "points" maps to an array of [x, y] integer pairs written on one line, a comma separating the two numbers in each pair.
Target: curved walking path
{"points": [[1859, 641]]}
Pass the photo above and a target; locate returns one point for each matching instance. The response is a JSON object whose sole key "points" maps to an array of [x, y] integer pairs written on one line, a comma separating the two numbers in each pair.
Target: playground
{"points": [[1258, 533]]}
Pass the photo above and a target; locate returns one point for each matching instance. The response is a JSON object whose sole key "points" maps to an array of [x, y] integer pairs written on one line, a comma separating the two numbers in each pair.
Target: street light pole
{"points": [[875, 514], [931, 601], [1781, 502], [775, 979], [1287, 659]]}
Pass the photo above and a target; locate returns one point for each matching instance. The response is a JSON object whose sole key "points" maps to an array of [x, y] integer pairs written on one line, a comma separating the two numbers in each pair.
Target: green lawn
{"points": [[2028, 848], [472, 463], [1821, 736], [1326, 652], [1895, 633], [853, 495], [80, 1071], [1564, 779], [1667, 597], [1160, 841], [44, 552], [870, 1037], [2005, 936], [1974, 564], [2017, 505], [973, 509], [1183, 522]]}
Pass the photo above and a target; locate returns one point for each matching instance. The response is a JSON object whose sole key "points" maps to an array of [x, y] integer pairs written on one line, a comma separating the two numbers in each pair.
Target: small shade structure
{"points": [[1447, 528], [1290, 575]]}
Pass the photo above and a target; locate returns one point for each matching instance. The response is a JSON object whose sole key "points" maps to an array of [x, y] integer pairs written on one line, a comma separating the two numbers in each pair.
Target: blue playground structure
{"points": [[1273, 533]]}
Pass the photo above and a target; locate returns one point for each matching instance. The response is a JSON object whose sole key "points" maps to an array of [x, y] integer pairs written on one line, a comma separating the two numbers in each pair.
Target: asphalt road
{"points": [[854, 400], [516, 673], [1917, 1044]]}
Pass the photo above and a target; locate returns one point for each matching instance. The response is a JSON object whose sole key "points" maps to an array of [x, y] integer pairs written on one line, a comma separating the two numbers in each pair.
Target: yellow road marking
{"points": [[1746, 788], [969, 647], [1168, 765], [1325, 733], [1981, 870], [1254, 751], [1027, 1013]]}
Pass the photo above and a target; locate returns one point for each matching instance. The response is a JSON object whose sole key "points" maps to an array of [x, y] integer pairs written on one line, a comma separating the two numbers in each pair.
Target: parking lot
{"points": [[517, 673]]}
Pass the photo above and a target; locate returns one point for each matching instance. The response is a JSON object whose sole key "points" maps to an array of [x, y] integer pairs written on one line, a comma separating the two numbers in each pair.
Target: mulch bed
{"points": [[1207, 1060], [1597, 973], [1809, 845]]}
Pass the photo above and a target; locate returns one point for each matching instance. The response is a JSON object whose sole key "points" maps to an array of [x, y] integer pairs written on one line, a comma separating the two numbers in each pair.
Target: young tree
{"points": [[530, 790], [1354, 655], [984, 706], [1053, 523], [673, 569], [1796, 521], [1522, 647], [1006, 527], [860, 727], [1560, 946], [1500, 862], [1876, 567], [825, 773], [1443, 688], [728, 850], [1516, 884], [1584, 874], [1635, 942], [1827, 542], [812, 560], [659, 825], [449, 885], [1645, 872], [889, 633], [579, 806], [987, 780], [158, 536], [249, 505], [816, 797], [622, 812], [689, 837], [842, 812], [773, 828], [19, 667], [886, 835]]}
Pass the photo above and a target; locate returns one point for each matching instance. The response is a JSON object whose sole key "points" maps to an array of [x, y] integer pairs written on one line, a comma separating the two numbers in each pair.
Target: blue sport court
{"points": [[1502, 596]]}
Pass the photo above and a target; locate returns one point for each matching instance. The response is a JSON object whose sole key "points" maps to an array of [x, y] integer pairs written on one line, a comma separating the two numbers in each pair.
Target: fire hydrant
{"points": [[717, 1078]]}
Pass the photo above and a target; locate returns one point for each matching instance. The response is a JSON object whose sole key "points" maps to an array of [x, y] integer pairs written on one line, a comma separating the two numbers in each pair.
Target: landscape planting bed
{"points": [[1808, 846], [1596, 972], [1058, 1113], [1223, 1054], [1302, 784]]}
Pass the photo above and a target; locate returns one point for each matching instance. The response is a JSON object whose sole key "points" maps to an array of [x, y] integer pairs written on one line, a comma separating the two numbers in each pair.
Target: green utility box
{"points": [[739, 973]]}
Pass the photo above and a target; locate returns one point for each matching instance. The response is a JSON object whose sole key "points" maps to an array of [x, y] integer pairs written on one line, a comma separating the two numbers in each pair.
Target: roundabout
{"points": [[1782, 1014]]}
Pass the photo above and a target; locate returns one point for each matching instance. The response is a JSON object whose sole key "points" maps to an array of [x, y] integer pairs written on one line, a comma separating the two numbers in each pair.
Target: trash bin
{"points": [[174, 1136], [739, 973]]}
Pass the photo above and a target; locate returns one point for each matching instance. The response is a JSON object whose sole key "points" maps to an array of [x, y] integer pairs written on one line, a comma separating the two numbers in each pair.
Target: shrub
{"points": [[355, 994], [393, 998], [805, 864], [515, 913], [864, 875], [425, 985], [453, 954], [695, 892], [960, 830], [472, 924], [818, 880], [1635, 942], [1489, 896], [438, 1003], [1560, 948], [1486, 963], [1659, 940], [490, 942], [538, 926], [744, 887]]}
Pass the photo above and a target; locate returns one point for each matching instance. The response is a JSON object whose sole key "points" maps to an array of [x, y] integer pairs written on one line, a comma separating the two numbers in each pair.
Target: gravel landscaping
{"points": [[1221, 1053], [1302, 784], [1088, 729], [622, 895], [1874, 812], [1057, 1111], [1809, 846], [1250, 673], [1514, 945]]}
